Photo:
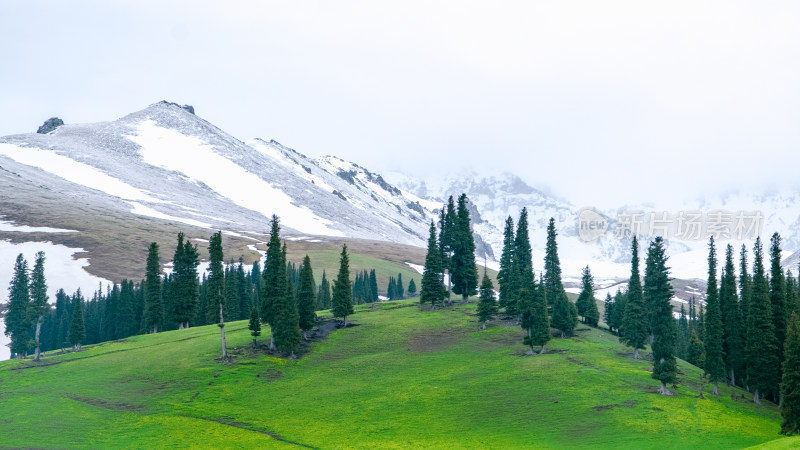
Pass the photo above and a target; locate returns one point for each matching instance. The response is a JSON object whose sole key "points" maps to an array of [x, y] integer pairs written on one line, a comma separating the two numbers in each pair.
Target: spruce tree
{"points": [[391, 290], [286, 330], [762, 358], [552, 266], [399, 289], [463, 271], [777, 294], [77, 328], [734, 331], [447, 228], [682, 341], [39, 306], [696, 353], [432, 291], [565, 316], [305, 298], [715, 361], [586, 297], [216, 286], [342, 297], [635, 319], [608, 311], [791, 294], [505, 275], [618, 311], [533, 314], [18, 318], [373, 286], [324, 293], [254, 326], [522, 247], [412, 288], [273, 283], [487, 306], [745, 286], [154, 309], [658, 292], [231, 292], [790, 384], [185, 287]]}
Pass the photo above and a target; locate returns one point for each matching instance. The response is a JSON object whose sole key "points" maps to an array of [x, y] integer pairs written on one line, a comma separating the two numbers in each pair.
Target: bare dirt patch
{"points": [[436, 340], [625, 404]]}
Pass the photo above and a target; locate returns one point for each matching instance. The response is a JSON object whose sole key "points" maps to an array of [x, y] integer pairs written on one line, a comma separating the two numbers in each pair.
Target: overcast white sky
{"points": [[603, 102]]}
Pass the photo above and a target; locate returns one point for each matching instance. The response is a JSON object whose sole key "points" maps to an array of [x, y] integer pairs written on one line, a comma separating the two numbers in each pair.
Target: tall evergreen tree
{"points": [[216, 286], [391, 290], [399, 288], [432, 291], [342, 297], [586, 297], [447, 228], [154, 309], [18, 319], [790, 385], [552, 266], [287, 322], [231, 292], [745, 286], [185, 287], [324, 293], [522, 246], [77, 328], [777, 294], [506, 275], [762, 358], [463, 271], [533, 314], [657, 292], [305, 298], [791, 294], [696, 353], [635, 320], [274, 280], [682, 339], [39, 305], [734, 332], [373, 286], [487, 306], [618, 311], [608, 311], [715, 361]]}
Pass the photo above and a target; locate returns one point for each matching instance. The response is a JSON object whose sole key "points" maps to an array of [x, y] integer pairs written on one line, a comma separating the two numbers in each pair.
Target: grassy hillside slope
{"points": [[401, 378]]}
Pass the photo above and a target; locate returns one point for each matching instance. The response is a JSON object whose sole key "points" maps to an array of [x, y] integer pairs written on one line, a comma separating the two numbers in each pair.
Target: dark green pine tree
{"points": [[790, 385], [77, 328], [487, 305], [777, 294], [635, 319], [734, 331], [463, 271], [399, 288], [791, 294], [682, 340], [184, 293], [126, 324], [552, 265], [245, 291], [412, 288], [39, 307], [273, 282], [506, 275], [286, 331], [608, 311], [745, 287], [715, 360], [18, 319], [342, 297], [215, 294], [324, 293], [305, 298], [391, 290], [373, 286], [617, 313], [154, 308], [432, 291], [522, 247], [657, 292], [231, 292], [533, 314], [586, 297], [696, 353], [762, 354], [254, 326], [565, 316], [447, 228]]}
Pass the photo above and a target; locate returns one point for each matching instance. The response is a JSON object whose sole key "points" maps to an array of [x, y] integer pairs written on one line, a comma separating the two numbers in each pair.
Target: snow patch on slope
{"points": [[8, 226], [74, 172], [195, 158]]}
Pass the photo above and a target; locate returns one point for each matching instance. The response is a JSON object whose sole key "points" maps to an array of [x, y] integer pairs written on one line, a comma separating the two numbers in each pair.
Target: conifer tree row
{"points": [[714, 365]]}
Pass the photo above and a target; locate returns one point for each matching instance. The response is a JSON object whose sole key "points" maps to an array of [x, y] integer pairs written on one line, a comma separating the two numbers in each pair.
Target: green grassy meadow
{"points": [[401, 378]]}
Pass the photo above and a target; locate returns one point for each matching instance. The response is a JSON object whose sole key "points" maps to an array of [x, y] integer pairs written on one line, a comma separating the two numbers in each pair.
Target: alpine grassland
{"points": [[401, 376]]}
